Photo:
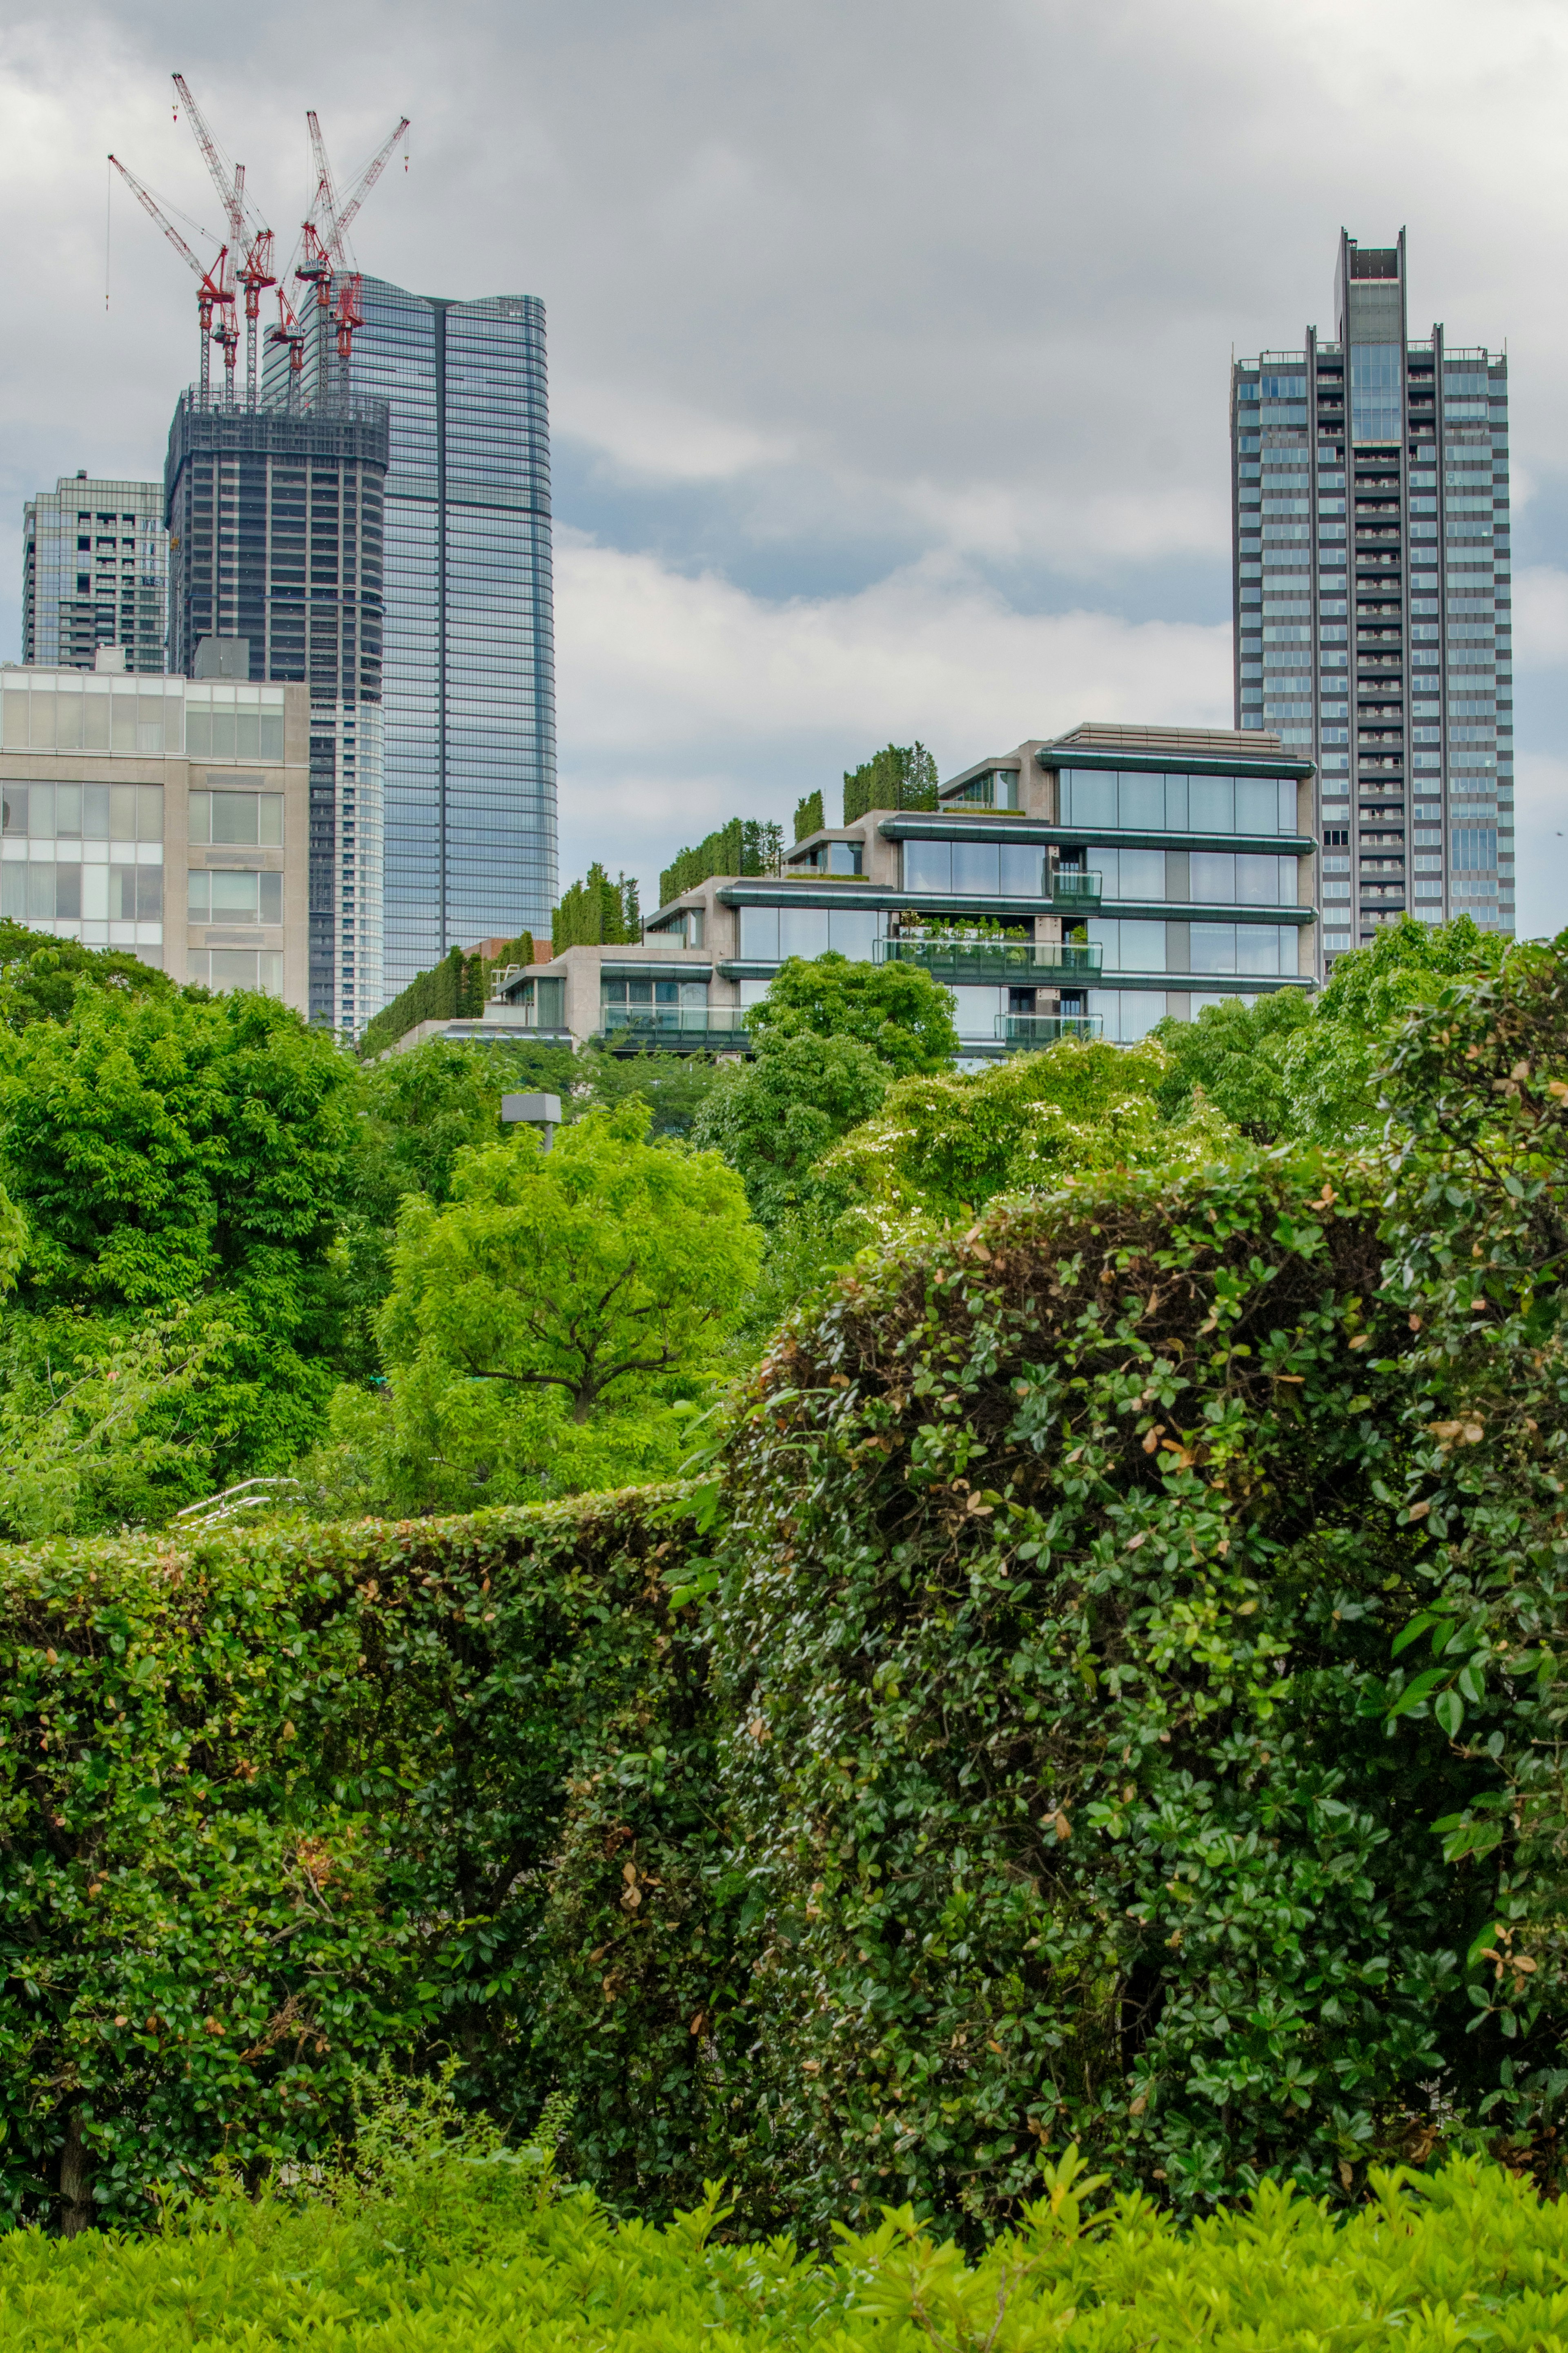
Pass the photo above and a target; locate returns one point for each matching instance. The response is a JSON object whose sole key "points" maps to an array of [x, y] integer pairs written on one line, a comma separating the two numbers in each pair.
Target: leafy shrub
{"points": [[471, 2250], [281, 1806]]}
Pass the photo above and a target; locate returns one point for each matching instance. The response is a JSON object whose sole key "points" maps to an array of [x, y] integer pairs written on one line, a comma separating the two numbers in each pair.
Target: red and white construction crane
{"points": [[215, 290], [249, 237], [324, 249]]}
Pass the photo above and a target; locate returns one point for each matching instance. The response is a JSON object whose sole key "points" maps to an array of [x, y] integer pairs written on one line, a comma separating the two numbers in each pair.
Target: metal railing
{"points": [[673, 1020], [1047, 1029], [979, 962], [1072, 882]]}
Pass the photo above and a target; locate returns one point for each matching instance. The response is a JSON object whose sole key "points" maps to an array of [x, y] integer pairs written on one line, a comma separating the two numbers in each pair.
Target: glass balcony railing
{"points": [[674, 1021], [1036, 1029], [1068, 883], [976, 962]]}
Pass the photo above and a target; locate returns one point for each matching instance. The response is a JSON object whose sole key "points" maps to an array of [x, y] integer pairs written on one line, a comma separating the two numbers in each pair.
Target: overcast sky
{"points": [[889, 338]]}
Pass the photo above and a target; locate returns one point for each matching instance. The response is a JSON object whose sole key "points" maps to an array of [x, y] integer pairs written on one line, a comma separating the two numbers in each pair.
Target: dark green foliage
{"points": [[896, 1010], [454, 990], [596, 913], [743, 846], [39, 974], [281, 1806], [773, 1119], [1057, 1755], [808, 816], [900, 776], [1235, 1054], [1307, 1069], [675, 1086]]}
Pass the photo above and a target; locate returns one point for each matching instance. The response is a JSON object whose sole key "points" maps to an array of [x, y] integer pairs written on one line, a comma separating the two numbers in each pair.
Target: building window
{"points": [[238, 897], [249, 820], [225, 968]]}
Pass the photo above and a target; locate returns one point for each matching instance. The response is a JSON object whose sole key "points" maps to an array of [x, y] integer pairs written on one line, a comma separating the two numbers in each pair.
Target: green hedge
{"points": [[452, 990], [476, 2257], [743, 846], [276, 1807]]}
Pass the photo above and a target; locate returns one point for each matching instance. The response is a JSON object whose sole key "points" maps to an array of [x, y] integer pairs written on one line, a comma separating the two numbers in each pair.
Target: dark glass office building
{"points": [[276, 524], [469, 647], [1373, 601]]}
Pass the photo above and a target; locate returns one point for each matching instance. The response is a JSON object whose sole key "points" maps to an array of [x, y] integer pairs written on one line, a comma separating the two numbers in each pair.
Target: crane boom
{"points": [[366, 181], [214, 292], [230, 185]]}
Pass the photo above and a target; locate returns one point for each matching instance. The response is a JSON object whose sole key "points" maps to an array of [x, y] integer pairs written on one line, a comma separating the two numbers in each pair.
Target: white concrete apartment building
{"points": [[169, 817]]}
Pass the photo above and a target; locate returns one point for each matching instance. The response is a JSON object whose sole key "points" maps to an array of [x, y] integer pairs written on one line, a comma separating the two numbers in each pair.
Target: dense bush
{"points": [[454, 989], [1109, 1689], [472, 2253], [275, 1808]]}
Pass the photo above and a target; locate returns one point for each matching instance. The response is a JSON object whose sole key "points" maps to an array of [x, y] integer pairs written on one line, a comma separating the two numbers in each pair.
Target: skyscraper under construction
{"points": [[275, 523]]}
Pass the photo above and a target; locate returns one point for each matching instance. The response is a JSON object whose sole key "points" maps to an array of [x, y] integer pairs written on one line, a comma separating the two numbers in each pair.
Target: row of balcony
{"points": [[724, 1026]]}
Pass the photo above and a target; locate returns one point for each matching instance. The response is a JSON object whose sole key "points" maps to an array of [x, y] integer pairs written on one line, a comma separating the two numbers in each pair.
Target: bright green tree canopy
{"points": [[903, 1015], [593, 1269]]}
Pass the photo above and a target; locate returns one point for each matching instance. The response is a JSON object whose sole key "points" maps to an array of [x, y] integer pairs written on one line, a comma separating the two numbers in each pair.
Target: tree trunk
{"points": [[75, 2203]]}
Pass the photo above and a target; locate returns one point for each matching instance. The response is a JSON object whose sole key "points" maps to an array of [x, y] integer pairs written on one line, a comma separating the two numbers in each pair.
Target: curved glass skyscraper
{"points": [[470, 675]]}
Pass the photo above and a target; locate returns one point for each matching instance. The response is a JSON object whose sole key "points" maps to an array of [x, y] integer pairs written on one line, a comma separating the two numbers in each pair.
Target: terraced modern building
{"points": [[1373, 600], [1087, 884]]}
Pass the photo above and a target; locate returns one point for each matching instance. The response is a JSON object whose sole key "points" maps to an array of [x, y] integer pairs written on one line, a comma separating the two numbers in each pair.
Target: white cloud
{"points": [[1541, 617], [1541, 800], [685, 700]]}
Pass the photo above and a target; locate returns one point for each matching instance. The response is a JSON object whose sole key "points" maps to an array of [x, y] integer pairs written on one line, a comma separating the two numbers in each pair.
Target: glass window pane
{"points": [[976, 868], [1176, 803], [1107, 863], [95, 812], [234, 817], [248, 734], [200, 816], [198, 898], [148, 812], [148, 893], [1211, 801], [13, 891], [852, 931], [95, 723], [173, 728], [14, 737], [1213, 878], [41, 812], [802, 932], [1257, 947], [68, 719], [125, 727], [1140, 1008], [1257, 804], [1256, 881], [1143, 874], [43, 719], [1142, 801], [14, 811], [270, 896], [223, 733], [232, 895], [1090, 794], [271, 735], [928, 866], [123, 813], [1023, 870], [1286, 806], [67, 889], [760, 935], [1212, 947], [1105, 932], [976, 1010], [270, 820], [270, 965], [40, 892], [198, 732], [67, 809], [1142, 945]]}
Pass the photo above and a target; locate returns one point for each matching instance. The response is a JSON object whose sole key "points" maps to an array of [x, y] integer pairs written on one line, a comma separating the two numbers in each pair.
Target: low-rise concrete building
{"points": [[1088, 884], [166, 815]]}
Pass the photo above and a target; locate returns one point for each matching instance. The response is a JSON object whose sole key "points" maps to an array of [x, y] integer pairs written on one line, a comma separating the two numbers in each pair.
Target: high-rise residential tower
{"points": [[1374, 605], [275, 520], [95, 571], [469, 671]]}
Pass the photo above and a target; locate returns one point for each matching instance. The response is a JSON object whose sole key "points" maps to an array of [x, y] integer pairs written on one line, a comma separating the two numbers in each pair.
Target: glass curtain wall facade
{"points": [[469, 693], [276, 524], [95, 571], [1373, 601]]}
